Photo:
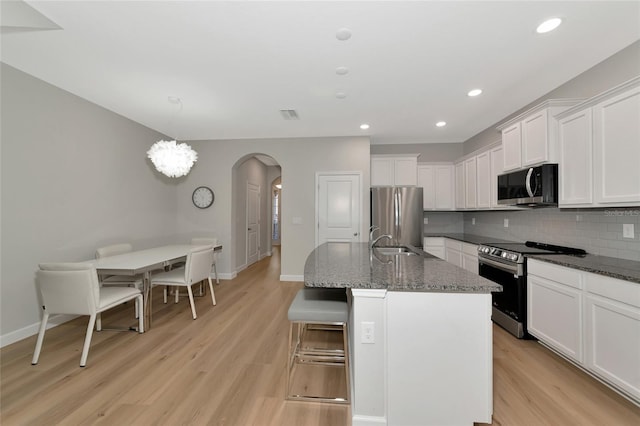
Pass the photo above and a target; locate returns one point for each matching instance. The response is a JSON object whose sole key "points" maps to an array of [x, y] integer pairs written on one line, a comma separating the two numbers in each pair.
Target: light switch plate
{"points": [[426, 220], [627, 230], [506, 223], [473, 220]]}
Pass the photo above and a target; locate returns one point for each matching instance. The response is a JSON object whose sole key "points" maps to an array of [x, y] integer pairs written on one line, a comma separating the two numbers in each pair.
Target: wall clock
{"points": [[202, 197]]}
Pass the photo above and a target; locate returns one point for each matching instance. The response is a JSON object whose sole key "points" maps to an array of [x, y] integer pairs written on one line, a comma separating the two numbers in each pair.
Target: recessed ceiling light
{"points": [[343, 34], [474, 92], [342, 70], [548, 25], [364, 126], [441, 123], [341, 95]]}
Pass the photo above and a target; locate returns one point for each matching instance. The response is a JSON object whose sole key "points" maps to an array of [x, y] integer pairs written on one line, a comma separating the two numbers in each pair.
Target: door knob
{"points": [[355, 234]]}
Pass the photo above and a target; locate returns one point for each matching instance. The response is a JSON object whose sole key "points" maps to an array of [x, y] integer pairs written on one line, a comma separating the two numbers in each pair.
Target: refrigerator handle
{"points": [[398, 214]]}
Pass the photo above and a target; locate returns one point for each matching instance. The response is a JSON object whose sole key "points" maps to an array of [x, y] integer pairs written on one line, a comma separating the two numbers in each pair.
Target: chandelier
{"points": [[171, 158]]}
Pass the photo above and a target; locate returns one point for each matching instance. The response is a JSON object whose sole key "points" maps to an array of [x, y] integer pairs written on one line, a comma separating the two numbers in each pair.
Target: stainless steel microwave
{"points": [[533, 187]]}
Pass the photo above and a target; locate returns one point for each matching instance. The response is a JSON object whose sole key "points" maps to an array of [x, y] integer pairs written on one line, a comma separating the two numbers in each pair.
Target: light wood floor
{"points": [[228, 368]]}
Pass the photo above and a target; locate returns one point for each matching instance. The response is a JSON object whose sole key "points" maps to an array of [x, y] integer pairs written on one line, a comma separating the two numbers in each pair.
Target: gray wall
{"points": [[74, 177], [429, 152], [615, 70], [598, 231], [300, 160]]}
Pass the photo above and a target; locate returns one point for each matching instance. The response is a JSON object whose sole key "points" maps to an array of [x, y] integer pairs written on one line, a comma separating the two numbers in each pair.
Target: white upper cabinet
{"points": [[616, 141], [437, 183], [483, 180], [394, 170], [529, 139], [599, 150], [512, 147], [460, 185], [497, 160], [470, 188], [576, 143]]}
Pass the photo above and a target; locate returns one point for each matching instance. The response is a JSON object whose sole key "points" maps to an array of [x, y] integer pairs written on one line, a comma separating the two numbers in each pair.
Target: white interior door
{"points": [[253, 223], [339, 206]]}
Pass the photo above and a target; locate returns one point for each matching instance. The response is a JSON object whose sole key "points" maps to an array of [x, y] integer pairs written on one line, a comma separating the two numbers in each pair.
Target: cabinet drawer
{"points": [[566, 276], [613, 288], [453, 244], [470, 249], [433, 242]]}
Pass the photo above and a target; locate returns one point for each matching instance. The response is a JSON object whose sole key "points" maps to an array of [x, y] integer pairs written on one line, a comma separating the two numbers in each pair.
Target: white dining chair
{"points": [[119, 280], [197, 241], [196, 269], [73, 288]]}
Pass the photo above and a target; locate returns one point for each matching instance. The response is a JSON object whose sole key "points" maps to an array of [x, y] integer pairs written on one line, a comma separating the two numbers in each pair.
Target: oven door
{"points": [[509, 306]]}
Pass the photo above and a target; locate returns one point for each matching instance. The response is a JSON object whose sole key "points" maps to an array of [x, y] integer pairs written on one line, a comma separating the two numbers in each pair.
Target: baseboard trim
{"points": [[299, 278], [31, 330], [358, 420]]}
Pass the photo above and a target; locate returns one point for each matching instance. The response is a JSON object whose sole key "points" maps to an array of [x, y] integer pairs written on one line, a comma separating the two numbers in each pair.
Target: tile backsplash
{"points": [[598, 231]]}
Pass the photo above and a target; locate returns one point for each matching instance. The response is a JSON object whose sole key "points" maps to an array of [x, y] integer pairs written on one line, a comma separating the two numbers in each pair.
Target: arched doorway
{"points": [[252, 204]]}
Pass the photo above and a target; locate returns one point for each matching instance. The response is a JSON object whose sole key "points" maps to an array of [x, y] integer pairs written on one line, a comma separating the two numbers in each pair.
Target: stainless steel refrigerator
{"points": [[397, 211]]}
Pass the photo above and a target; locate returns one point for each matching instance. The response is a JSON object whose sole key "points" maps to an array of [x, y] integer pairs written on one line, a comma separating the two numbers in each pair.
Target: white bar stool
{"points": [[317, 309]]}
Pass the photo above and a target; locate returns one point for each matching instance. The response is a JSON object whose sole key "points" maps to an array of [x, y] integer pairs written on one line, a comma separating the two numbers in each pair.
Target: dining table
{"points": [[144, 263]]}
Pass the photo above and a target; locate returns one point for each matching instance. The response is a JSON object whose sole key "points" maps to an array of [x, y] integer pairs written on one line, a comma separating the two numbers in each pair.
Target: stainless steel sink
{"points": [[395, 251]]}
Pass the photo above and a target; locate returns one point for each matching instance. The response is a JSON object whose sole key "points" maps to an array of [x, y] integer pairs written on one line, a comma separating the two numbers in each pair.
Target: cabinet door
{"points": [[554, 315], [470, 188], [575, 177], [460, 185], [535, 139], [483, 180], [427, 180], [444, 190], [496, 169], [511, 147], [405, 171], [382, 171], [616, 124], [453, 256], [613, 343]]}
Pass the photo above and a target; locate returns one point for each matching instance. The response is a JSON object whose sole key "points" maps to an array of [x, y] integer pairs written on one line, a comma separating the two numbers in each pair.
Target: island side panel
{"points": [[368, 360], [439, 358]]}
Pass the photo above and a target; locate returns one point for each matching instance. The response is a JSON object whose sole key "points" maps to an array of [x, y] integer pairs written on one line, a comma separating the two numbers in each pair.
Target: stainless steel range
{"points": [[506, 264]]}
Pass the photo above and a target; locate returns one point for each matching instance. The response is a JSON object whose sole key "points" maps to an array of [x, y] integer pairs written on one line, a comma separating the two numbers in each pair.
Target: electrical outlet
{"points": [[506, 223], [367, 332], [578, 218], [473, 220], [627, 230], [426, 220]]}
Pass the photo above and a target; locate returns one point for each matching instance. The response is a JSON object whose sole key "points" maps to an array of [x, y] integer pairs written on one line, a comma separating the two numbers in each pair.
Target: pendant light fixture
{"points": [[171, 158]]}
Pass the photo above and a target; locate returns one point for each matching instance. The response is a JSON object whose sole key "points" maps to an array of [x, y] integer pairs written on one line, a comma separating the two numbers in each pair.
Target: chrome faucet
{"points": [[372, 229], [374, 242]]}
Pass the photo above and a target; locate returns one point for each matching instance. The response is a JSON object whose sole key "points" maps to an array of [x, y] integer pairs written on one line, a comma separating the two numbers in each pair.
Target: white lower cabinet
{"points": [[463, 255], [591, 319], [434, 246], [554, 309], [613, 332], [470, 257], [453, 251]]}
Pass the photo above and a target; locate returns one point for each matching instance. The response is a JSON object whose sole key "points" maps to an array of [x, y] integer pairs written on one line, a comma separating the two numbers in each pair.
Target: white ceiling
{"points": [[235, 65]]}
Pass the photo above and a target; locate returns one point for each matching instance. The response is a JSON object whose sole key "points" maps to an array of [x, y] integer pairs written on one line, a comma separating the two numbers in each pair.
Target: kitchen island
{"points": [[420, 335]]}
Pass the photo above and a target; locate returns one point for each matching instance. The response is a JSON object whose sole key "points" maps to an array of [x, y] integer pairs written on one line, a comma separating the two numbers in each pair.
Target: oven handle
{"points": [[499, 265]]}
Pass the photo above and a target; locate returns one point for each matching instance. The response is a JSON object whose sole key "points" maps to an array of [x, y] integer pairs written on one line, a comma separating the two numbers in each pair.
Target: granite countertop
{"points": [[628, 270], [353, 265]]}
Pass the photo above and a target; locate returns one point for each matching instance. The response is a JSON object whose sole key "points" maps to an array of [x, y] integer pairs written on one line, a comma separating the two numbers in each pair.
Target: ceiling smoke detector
{"points": [[289, 114]]}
